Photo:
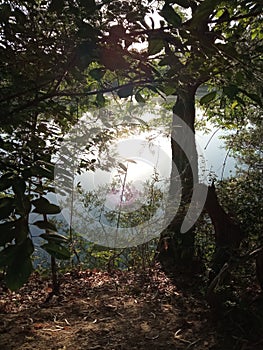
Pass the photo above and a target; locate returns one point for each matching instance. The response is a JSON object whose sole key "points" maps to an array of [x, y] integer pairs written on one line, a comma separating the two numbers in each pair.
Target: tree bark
{"points": [[174, 246], [228, 233], [259, 268]]}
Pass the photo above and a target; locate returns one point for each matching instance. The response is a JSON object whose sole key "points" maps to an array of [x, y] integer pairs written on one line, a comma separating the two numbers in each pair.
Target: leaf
{"points": [[167, 61], [43, 206], [234, 104], [21, 230], [222, 102], [122, 166], [254, 97], [7, 255], [139, 98], [97, 73], [45, 225], [230, 90], [38, 171], [7, 236], [7, 232], [131, 161], [16, 252], [5, 12], [55, 237], [23, 205], [183, 3], [18, 273], [169, 89], [56, 6], [20, 17], [228, 49], [19, 186], [26, 248], [171, 16], [88, 4], [6, 181], [155, 46], [141, 121], [239, 77], [100, 99], [125, 91], [203, 11], [208, 97], [56, 250], [113, 59], [6, 207]]}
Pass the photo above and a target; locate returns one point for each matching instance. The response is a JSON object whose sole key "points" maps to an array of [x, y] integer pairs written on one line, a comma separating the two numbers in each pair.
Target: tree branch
{"points": [[54, 94], [236, 18]]}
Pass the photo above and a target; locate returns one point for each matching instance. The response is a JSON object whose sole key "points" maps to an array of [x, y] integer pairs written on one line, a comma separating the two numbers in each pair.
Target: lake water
{"points": [[141, 158]]}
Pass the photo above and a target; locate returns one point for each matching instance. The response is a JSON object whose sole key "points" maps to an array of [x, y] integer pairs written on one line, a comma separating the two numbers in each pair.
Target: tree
{"points": [[44, 49], [216, 47], [220, 40], [60, 57], [50, 65]]}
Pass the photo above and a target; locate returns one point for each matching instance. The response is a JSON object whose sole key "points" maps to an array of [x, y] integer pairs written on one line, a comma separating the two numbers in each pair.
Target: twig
{"points": [[216, 280], [177, 336], [193, 343]]}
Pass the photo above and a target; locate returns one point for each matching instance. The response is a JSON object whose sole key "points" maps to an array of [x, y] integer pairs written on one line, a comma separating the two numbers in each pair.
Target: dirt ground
{"points": [[119, 310]]}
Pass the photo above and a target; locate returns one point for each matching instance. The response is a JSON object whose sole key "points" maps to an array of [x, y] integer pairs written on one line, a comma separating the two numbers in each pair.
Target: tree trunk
{"points": [[228, 234], [259, 268], [174, 246]]}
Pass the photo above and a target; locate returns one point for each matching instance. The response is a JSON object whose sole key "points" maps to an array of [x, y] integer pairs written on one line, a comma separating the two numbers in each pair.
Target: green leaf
{"points": [[20, 17], [19, 186], [25, 248], [125, 91], [222, 102], [16, 252], [88, 4], [254, 97], [7, 232], [167, 61], [239, 77], [5, 12], [7, 255], [155, 46], [56, 250], [171, 16], [56, 6], [6, 181], [183, 3], [141, 121], [43, 206], [139, 98], [45, 225], [97, 73], [228, 49], [23, 205], [234, 104], [6, 207], [86, 31], [100, 99], [38, 171], [18, 273], [169, 89], [54, 237], [208, 97], [230, 90], [21, 230], [203, 11]]}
